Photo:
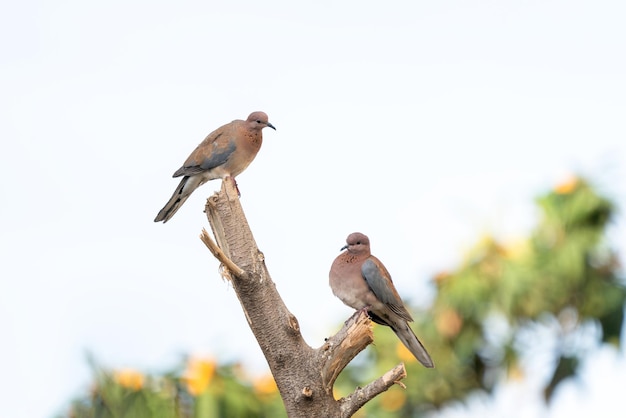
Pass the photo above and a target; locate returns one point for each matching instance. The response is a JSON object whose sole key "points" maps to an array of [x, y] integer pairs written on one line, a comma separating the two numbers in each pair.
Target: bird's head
{"points": [[357, 243], [259, 120]]}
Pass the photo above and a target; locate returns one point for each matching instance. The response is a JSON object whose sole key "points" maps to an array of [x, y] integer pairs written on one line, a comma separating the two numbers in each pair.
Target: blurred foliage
{"points": [[199, 389], [488, 315], [536, 297]]}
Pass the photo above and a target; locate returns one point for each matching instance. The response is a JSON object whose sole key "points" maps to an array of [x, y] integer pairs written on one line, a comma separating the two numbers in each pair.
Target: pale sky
{"points": [[424, 126]]}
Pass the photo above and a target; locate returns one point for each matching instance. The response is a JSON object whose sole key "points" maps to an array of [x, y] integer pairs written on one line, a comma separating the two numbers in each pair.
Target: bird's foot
{"points": [[234, 182], [236, 186], [358, 312]]}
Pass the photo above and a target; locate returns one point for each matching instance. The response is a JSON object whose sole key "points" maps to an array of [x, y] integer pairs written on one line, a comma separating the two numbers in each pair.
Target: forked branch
{"points": [[305, 376]]}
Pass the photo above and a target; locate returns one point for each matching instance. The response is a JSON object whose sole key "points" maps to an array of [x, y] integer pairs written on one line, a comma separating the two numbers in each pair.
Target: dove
{"points": [[361, 281], [225, 152]]}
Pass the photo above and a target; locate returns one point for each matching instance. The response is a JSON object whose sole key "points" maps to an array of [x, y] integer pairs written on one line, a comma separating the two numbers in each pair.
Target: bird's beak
{"points": [[344, 247], [271, 126]]}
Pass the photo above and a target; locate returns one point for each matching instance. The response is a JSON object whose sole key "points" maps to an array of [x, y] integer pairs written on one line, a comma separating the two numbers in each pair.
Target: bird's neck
{"points": [[255, 138], [351, 258]]}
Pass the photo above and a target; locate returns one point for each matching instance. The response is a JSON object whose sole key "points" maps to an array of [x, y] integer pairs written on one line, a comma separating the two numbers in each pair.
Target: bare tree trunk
{"points": [[304, 375]]}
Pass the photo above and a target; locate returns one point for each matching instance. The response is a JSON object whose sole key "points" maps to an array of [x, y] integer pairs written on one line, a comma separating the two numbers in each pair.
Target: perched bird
{"points": [[361, 281], [225, 152]]}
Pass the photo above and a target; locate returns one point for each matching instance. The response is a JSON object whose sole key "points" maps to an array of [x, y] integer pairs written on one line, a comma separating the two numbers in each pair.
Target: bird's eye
{"points": [[358, 243], [258, 121]]}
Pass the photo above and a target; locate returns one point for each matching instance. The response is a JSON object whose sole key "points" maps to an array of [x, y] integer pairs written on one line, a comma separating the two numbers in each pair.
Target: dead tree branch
{"points": [[304, 375], [350, 404]]}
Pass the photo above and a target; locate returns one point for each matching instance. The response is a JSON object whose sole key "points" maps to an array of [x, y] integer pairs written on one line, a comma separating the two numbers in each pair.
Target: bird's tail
{"points": [[410, 340], [175, 202]]}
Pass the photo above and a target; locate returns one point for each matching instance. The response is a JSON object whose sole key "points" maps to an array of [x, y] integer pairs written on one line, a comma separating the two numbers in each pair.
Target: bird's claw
{"points": [[232, 179], [357, 313]]}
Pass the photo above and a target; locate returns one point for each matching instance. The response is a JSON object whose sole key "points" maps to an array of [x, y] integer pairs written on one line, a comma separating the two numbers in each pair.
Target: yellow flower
{"points": [[404, 354], [336, 394], [129, 378], [393, 400], [198, 375], [515, 372], [567, 186], [441, 277], [449, 323], [265, 385], [517, 249]]}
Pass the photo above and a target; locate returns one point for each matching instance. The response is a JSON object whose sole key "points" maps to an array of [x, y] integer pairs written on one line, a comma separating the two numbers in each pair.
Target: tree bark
{"points": [[304, 375]]}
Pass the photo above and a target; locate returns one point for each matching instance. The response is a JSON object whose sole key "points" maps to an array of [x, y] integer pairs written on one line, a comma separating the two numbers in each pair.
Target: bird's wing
{"points": [[379, 280], [211, 153]]}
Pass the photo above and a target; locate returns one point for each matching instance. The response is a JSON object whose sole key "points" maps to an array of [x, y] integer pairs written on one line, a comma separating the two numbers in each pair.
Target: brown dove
{"points": [[225, 152], [361, 281]]}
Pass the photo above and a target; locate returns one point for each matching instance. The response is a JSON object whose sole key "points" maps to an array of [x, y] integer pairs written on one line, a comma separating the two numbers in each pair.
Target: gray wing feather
{"points": [[377, 282], [217, 158]]}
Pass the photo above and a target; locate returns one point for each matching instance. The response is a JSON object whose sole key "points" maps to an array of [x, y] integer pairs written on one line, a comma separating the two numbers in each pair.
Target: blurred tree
{"points": [[563, 279], [199, 389]]}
